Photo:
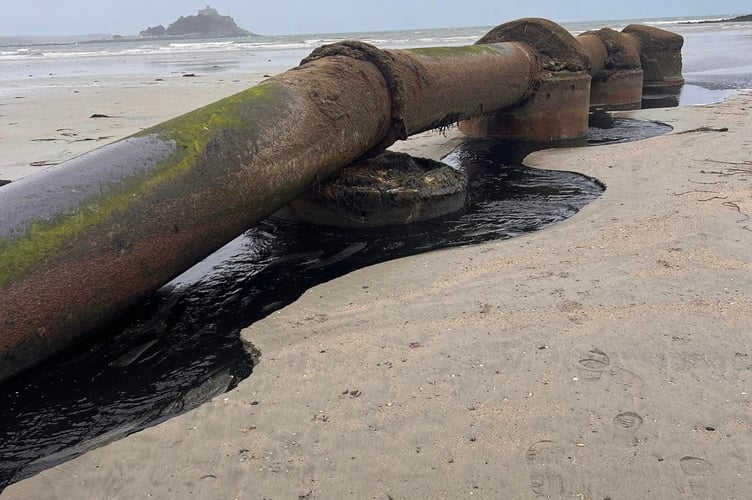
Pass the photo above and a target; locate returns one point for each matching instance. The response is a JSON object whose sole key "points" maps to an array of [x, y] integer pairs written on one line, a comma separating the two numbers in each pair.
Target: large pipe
{"points": [[83, 240]]}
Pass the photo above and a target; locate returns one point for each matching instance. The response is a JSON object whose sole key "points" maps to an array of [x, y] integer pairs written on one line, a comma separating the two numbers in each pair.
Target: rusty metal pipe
{"points": [[84, 240], [447, 84]]}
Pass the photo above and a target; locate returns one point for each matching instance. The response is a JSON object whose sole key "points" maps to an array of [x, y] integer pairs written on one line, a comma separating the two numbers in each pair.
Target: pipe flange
{"points": [[387, 65]]}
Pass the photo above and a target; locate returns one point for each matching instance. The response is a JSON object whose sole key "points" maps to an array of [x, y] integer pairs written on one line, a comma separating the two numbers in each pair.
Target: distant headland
{"points": [[208, 23], [738, 19]]}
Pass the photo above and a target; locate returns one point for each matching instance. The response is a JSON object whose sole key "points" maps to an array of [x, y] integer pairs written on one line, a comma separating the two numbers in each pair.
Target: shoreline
{"points": [[607, 355]]}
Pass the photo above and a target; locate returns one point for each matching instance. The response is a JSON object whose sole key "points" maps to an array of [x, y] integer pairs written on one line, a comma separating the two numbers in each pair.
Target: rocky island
{"points": [[207, 23], [738, 19]]}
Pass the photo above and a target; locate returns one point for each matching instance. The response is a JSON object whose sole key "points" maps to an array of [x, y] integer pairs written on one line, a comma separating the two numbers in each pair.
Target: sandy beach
{"points": [[607, 356]]}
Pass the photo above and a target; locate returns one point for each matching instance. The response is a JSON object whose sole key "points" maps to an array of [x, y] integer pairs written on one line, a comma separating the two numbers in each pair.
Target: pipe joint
{"points": [[388, 66]]}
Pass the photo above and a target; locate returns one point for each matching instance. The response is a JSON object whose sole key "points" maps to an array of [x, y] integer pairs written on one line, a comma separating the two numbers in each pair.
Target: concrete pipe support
{"points": [[83, 240]]}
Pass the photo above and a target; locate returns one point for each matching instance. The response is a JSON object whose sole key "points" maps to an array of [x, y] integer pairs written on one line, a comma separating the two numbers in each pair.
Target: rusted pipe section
{"points": [[83, 240], [432, 87], [660, 55], [616, 69], [556, 107], [435, 87]]}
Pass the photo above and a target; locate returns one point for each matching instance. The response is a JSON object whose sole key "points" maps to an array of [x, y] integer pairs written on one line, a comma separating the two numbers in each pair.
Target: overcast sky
{"points": [[71, 17]]}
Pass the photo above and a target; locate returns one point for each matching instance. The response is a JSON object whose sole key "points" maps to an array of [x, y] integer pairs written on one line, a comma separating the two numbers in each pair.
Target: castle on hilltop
{"points": [[208, 11]]}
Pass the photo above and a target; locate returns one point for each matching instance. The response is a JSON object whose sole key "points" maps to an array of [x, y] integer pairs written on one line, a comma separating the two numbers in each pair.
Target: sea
{"points": [[716, 55]]}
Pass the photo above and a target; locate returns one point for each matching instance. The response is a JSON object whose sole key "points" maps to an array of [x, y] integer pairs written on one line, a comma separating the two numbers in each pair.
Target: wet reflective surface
{"points": [[689, 94], [181, 346]]}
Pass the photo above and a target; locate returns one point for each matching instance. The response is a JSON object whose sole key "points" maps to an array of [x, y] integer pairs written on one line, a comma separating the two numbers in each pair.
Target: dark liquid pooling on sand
{"points": [[181, 346]]}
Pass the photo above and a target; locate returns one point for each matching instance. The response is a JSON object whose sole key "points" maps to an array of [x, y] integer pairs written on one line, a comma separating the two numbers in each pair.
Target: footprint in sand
{"points": [[697, 470], [594, 364], [626, 426], [544, 464], [596, 360], [597, 364], [625, 378]]}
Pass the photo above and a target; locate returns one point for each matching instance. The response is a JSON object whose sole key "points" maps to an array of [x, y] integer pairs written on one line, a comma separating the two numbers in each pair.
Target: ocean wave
{"points": [[315, 42], [199, 45], [20, 53], [683, 20], [113, 50]]}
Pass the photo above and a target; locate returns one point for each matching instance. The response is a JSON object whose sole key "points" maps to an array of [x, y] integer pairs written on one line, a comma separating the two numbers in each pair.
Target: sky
{"points": [[281, 17]]}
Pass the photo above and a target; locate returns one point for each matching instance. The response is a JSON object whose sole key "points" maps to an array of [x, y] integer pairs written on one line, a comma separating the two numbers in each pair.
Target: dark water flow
{"points": [[181, 346]]}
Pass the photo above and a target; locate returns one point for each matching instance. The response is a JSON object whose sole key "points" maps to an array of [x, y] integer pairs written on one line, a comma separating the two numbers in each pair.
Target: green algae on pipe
{"points": [[63, 207], [84, 240]]}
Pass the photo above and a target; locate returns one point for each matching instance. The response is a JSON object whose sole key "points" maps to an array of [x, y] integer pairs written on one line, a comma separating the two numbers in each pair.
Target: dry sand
{"points": [[604, 357]]}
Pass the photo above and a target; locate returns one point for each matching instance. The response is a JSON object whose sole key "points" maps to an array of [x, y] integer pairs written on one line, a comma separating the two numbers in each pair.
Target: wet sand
{"points": [[607, 356]]}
